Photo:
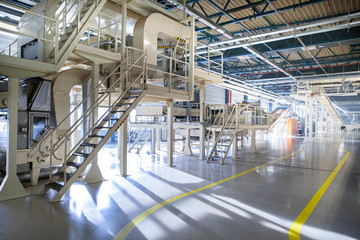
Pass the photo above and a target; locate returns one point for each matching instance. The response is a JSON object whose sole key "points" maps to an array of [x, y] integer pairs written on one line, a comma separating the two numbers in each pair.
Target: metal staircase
{"points": [[224, 138], [75, 157], [71, 20], [58, 36]]}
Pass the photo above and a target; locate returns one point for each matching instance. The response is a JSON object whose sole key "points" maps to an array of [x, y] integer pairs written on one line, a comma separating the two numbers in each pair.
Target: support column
{"points": [[170, 134], [327, 128], [122, 149], [202, 122], [11, 186], [235, 146], [306, 117], [321, 122], [316, 119], [242, 139], [122, 132], [158, 139], [94, 173], [187, 149], [253, 142], [311, 129], [153, 141]]}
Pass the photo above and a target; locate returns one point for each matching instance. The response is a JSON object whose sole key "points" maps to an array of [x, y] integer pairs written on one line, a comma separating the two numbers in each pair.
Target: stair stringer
{"points": [[95, 151]]}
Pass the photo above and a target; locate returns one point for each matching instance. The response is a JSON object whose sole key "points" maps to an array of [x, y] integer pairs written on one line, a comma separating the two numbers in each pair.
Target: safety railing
{"points": [[173, 69], [251, 115], [216, 114], [245, 114], [204, 58], [55, 143], [194, 112], [59, 29], [105, 35], [10, 50]]}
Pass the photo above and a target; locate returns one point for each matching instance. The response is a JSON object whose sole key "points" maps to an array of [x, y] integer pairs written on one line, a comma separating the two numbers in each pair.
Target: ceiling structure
{"points": [[271, 44]]}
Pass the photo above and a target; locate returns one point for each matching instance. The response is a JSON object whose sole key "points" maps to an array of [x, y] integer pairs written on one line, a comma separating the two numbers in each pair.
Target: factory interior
{"points": [[180, 119]]}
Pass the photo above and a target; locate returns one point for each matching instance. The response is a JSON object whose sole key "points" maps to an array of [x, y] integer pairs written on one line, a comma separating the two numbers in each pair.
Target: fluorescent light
{"points": [[220, 31]]}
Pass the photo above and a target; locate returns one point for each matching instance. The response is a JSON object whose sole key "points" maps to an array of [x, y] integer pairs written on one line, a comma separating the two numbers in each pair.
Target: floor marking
{"points": [[294, 231], [136, 221]]}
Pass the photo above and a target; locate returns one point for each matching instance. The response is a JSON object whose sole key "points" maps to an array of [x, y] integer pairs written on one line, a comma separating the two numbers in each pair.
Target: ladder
{"points": [[142, 138], [74, 159], [211, 130], [225, 137]]}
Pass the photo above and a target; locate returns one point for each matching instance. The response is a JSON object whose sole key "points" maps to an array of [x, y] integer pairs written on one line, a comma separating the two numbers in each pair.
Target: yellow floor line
{"points": [[295, 228], [130, 226]]}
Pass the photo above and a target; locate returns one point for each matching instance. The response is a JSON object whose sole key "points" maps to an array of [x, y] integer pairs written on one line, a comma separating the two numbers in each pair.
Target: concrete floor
{"points": [[261, 204]]}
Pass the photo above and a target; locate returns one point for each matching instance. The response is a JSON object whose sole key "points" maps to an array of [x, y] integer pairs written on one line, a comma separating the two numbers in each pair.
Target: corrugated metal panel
{"points": [[237, 97], [214, 94]]}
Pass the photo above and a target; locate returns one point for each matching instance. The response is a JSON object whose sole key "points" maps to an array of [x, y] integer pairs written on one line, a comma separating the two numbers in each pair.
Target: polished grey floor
{"points": [[261, 204]]}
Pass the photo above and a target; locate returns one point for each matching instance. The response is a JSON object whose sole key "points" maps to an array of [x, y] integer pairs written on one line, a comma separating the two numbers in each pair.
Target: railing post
{"points": [[116, 36], [192, 57], [56, 52], [51, 155], [109, 106], [78, 16], [65, 162], [170, 66], [98, 30], [88, 37], [222, 65]]}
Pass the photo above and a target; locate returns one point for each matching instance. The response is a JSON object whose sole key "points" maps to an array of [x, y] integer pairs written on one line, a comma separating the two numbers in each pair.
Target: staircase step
{"points": [[73, 164], [61, 174], [130, 97], [54, 185], [135, 91], [106, 119], [95, 136], [123, 104], [116, 111], [80, 154], [88, 145], [101, 127]]}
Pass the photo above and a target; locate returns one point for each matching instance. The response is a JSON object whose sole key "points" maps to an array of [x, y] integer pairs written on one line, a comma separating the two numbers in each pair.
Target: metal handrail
{"points": [[90, 110], [64, 137], [221, 131], [101, 98], [3, 52]]}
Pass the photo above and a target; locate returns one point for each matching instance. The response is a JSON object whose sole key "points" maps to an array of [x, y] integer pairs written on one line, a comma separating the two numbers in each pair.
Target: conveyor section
{"points": [[278, 115], [329, 108]]}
